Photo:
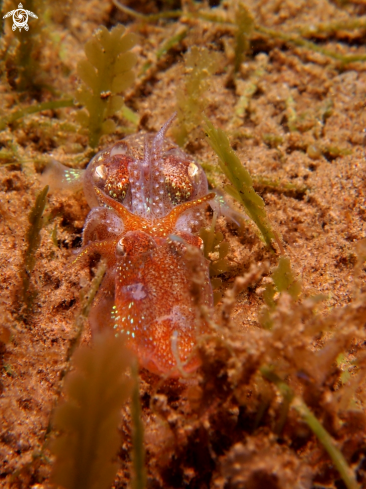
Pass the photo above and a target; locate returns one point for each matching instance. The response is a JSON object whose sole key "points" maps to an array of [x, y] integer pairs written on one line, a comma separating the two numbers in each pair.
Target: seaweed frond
{"points": [[106, 73], [260, 183], [245, 27], [291, 113], [33, 109], [281, 187], [241, 188], [87, 298], [293, 38], [164, 49], [33, 238], [138, 452], [297, 40], [215, 250], [283, 280], [200, 63], [361, 259], [245, 89], [89, 419], [24, 52], [316, 427]]}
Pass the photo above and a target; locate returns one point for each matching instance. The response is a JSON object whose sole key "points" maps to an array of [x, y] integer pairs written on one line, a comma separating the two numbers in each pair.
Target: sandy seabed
{"points": [[301, 136]]}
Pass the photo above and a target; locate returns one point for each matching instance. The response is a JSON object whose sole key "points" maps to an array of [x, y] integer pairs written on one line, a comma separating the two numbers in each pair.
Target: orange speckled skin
{"points": [[147, 196]]}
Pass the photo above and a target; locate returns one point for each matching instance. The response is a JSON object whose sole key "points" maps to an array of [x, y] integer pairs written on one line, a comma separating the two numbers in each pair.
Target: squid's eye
{"points": [[178, 182], [100, 174], [192, 170], [120, 148], [120, 248], [112, 176]]}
